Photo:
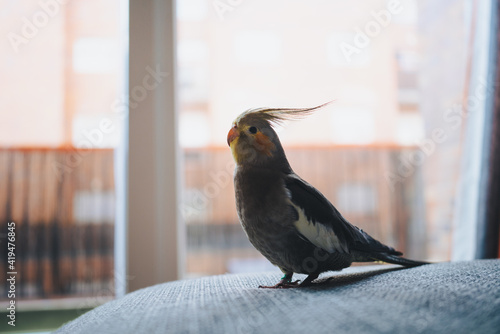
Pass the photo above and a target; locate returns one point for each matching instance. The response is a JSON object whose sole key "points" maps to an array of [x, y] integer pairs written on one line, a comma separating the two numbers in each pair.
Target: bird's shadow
{"points": [[336, 281]]}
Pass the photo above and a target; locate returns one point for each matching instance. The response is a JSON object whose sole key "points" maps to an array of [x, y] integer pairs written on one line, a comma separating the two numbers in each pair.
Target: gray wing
{"points": [[321, 223]]}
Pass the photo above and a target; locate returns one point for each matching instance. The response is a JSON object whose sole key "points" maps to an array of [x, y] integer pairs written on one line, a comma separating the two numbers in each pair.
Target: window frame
{"points": [[155, 236]]}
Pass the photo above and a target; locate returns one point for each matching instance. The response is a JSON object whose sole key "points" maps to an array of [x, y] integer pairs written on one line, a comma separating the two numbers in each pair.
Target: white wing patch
{"points": [[318, 234]]}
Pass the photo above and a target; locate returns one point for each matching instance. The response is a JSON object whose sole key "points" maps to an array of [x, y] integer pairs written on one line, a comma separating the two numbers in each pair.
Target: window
{"points": [[95, 55], [352, 126], [256, 47], [386, 152], [357, 198], [342, 50], [371, 152], [62, 77]]}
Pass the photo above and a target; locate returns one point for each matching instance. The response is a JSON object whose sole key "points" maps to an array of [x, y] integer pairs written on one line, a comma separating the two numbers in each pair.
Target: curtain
{"points": [[489, 219], [477, 205]]}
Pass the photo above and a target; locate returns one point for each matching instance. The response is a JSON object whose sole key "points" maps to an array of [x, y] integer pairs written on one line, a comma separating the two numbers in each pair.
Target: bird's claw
{"points": [[282, 285]]}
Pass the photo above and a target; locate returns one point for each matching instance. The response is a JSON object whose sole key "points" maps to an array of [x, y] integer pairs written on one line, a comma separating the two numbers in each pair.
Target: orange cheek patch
{"points": [[264, 144]]}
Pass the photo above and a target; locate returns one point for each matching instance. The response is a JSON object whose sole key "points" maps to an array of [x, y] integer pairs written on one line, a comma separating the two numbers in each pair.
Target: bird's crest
{"points": [[278, 115]]}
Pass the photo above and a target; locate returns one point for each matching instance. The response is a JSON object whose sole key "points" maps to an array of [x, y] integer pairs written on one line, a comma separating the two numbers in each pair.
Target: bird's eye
{"points": [[252, 129]]}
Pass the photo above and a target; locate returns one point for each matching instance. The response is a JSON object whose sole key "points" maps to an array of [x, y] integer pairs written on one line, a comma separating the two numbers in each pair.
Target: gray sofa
{"points": [[457, 297]]}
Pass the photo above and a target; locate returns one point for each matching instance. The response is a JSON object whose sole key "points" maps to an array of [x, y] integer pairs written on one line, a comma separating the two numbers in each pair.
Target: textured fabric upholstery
{"points": [[460, 297]]}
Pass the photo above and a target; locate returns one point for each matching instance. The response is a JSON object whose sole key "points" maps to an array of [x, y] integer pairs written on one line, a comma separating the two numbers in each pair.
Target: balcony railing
{"points": [[59, 200], [62, 202]]}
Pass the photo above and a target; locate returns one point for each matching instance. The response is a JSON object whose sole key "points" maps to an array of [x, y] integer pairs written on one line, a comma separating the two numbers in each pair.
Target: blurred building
{"points": [[366, 58], [363, 57], [61, 75], [391, 67], [62, 72], [229, 62]]}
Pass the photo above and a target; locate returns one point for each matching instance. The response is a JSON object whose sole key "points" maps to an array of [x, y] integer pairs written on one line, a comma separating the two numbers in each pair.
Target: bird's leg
{"points": [[285, 283], [309, 279]]}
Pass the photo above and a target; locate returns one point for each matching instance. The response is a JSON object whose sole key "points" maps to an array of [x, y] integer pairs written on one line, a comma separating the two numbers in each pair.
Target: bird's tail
{"points": [[398, 260]]}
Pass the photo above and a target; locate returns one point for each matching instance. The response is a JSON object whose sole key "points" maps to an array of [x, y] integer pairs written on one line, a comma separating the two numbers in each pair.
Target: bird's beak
{"points": [[232, 135]]}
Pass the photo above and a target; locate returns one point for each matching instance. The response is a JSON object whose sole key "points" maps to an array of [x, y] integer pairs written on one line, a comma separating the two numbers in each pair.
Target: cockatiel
{"points": [[285, 218]]}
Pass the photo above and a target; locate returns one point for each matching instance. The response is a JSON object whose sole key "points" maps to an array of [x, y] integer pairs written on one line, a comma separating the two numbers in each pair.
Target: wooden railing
{"points": [[62, 202], [64, 245]]}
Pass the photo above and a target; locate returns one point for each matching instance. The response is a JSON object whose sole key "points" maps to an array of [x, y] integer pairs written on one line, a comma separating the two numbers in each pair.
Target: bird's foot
{"points": [[282, 285], [309, 280]]}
